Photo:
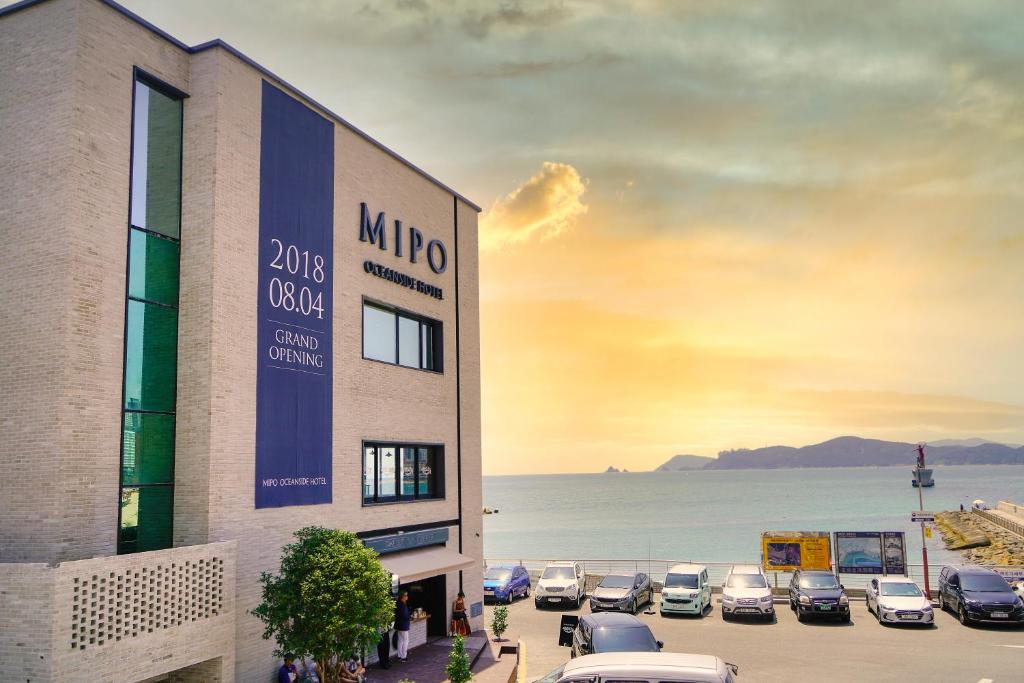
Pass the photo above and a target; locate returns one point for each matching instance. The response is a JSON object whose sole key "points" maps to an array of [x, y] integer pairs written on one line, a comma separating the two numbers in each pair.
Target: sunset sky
{"points": [[707, 225]]}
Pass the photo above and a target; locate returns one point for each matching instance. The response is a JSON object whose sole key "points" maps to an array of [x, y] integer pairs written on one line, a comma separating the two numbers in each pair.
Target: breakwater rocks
{"points": [[981, 541]]}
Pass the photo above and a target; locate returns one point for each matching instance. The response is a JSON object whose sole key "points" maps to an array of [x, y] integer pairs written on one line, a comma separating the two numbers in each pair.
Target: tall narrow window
{"points": [[151, 322]]}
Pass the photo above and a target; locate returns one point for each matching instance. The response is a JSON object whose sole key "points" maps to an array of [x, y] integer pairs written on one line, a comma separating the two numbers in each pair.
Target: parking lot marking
{"points": [[1020, 646], [985, 680]]}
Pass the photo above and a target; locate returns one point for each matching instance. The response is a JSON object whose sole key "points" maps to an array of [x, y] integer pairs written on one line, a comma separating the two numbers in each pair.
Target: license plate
{"points": [[1000, 615], [910, 616], [555, 599], [825, 608], [746, 610]]}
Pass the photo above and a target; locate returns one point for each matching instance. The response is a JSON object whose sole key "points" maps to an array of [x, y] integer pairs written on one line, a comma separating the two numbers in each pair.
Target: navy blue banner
{"points": [[294, 345]]}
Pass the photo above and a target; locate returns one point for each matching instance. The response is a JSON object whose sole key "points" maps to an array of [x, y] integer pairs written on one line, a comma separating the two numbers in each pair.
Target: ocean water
{"points": [[718, 516]]}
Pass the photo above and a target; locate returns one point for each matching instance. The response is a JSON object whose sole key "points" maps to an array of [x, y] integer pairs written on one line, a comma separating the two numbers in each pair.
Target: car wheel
{"points": [[962, 616], [527, 593], [792, 605], [635, 606], [845, 619], [725, 617], [800, 616], [878, 615], [942, 603]]}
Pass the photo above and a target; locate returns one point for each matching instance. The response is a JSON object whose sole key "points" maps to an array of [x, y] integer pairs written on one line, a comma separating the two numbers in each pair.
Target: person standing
{"points": [[402, 626], [384, 649], [288, 673]]}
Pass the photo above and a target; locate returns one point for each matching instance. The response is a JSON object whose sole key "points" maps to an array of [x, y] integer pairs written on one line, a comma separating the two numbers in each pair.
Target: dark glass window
{"points": [[400, 472], [146, 513], [148, 449], [401, 338], [156, 162], [151, 322], [153, 268], [150, 363]]}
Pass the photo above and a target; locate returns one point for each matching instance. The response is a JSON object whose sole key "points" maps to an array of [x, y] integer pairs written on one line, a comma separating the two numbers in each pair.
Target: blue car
{"points": [[504, 584]]}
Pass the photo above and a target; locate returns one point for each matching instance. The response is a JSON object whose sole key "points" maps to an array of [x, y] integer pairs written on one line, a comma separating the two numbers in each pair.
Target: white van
{"points": [[686, 590], [644, 667], [562, 583]]}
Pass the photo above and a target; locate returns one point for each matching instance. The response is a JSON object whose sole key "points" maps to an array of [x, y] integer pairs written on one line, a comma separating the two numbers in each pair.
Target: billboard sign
{"points": [[859, 552], [870, 552], [294, 306], [789, 550], [894, 552]]}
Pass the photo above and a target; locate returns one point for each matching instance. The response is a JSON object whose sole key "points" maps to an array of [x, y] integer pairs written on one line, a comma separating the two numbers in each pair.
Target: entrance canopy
{"points": [[413, 565]]}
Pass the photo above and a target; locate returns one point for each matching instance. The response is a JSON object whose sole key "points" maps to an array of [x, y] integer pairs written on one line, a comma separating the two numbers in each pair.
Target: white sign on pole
{"points": [[917, 516]]}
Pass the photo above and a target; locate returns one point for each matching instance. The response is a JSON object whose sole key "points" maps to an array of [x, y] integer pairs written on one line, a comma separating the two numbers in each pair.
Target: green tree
{"points": [[499, 622], [331, 599], [457, 669]]}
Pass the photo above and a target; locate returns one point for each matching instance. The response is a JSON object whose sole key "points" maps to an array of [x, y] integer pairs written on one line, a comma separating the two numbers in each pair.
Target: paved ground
{"points": [[790, 651]]}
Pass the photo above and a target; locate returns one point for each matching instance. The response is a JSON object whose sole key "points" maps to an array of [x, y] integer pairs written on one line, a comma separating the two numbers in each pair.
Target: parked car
{"points": [[978, 594], [686, 590], [898, 600], [596, 633], [622, 592], [645, 667], [818, 594], [504, 584], [745, 592], [561, 583]]}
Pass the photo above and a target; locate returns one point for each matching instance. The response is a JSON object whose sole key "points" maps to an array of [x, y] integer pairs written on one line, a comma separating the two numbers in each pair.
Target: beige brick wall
{"points": [[75, 88], [38, 618], [37, 117]]}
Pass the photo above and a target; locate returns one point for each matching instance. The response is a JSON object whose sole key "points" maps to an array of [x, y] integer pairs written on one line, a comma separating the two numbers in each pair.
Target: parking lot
{"points": [[791, 651]]}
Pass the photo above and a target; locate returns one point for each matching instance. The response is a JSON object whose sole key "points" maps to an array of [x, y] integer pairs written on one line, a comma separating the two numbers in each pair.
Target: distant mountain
{"points": [[970, 442], [611, 470], [853, 451], [680, 463]]}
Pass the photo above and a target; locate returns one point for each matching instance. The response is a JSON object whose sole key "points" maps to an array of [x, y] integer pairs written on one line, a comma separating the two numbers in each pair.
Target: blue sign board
{"points": [[407, 541], [294, 309]]}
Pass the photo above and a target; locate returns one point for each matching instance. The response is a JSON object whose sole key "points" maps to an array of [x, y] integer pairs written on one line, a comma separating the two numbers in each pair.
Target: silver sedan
{"points": [[898, 600]]}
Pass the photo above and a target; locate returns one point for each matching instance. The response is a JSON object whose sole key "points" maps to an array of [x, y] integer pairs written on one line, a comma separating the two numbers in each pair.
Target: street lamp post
{"points": [[920, 499]]}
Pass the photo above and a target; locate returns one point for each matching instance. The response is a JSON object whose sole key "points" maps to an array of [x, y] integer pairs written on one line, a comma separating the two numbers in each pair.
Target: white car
{"points": [[746, 593], [562, 583], [686, 590], [898, 600], [644, 667]]}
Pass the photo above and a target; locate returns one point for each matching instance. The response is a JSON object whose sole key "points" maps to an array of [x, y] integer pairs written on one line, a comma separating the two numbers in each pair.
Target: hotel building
{"points": [[227, 314]]}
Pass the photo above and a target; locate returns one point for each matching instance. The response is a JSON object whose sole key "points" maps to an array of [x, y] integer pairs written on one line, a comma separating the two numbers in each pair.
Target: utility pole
{"points": [[920, 499]]}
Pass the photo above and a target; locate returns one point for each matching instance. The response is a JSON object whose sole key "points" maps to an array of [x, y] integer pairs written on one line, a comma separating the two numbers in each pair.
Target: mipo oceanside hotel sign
{"points": [[375, 232]]}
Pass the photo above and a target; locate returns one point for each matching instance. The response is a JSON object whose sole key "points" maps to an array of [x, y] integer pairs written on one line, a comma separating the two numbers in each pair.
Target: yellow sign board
{"points": [[928, 532], [789, 550]]}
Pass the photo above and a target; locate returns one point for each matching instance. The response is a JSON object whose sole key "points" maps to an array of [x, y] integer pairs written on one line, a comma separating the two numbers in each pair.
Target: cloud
{"points": [[479, 24], [546, 205]]}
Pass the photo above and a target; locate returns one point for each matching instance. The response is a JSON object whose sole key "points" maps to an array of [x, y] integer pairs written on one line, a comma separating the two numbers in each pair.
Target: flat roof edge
{"points": [[217, 42]]}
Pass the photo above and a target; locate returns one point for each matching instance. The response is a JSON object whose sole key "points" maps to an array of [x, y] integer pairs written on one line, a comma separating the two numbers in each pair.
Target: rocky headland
{"points": [[980, 541]]}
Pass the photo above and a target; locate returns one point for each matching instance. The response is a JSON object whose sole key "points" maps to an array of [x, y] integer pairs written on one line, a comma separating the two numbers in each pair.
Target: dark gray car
{"points": [[598, 633], [622, 592]]}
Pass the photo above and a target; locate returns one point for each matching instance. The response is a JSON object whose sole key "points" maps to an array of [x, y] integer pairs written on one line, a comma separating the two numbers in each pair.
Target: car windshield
{"points": [[746, 581], [819, 582], [498, 574], [681, 581], [984, 583], [552, 676], [616, 581], [907, 590], [558, 573], [624, 640]]}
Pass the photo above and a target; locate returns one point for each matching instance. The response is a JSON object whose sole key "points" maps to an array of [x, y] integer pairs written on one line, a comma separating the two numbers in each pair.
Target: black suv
{"points": [[978, 594], [818, 594], [612, 633]]}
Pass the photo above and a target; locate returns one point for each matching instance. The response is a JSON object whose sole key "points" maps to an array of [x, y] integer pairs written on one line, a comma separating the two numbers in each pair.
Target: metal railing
{"points": [[595, 569], [1002, 520]]}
